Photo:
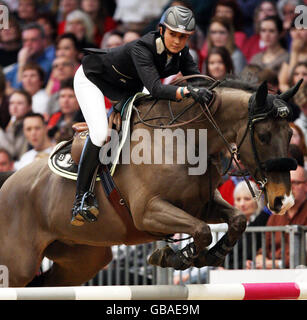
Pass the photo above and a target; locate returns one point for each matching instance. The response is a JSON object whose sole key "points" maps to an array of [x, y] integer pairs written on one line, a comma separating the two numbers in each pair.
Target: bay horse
{"points": [[35, 203]]}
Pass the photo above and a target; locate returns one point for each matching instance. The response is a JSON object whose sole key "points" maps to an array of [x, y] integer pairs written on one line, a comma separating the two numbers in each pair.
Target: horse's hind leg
{"points": [[73, 265], [22, 261], [221, 211]]}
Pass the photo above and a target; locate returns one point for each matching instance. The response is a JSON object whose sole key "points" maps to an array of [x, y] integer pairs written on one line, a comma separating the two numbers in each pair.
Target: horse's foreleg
{"points": [[161, 216], [221, 211]]}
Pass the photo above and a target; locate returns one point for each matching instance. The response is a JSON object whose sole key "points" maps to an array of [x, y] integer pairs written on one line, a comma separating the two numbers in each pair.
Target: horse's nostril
{"points": [[278, 203]]}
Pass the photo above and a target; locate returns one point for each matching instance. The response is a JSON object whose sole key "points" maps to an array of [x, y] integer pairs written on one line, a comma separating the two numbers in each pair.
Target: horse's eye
{"points": [[264, 137]]}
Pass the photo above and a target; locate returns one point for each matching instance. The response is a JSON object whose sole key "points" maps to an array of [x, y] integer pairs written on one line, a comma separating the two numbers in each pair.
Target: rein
{"points": [[205, 110], [171, 123]]}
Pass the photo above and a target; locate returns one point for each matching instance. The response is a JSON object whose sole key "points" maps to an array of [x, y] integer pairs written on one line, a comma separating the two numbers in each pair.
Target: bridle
{"points": [[280, 110]]}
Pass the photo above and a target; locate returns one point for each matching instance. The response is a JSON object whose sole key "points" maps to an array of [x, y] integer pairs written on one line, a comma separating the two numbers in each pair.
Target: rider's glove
{"points": [[200, 95]]}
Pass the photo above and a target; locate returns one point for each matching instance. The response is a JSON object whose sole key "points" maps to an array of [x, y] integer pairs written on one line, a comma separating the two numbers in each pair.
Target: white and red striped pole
{"points": [[237, 291]]}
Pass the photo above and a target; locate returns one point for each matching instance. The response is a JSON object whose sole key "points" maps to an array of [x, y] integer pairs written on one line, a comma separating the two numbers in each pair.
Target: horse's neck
{"points": [[232, 114]]}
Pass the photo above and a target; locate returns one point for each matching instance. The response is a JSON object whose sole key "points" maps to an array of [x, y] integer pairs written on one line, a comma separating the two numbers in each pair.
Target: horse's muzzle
{"points": [[282, 204]]}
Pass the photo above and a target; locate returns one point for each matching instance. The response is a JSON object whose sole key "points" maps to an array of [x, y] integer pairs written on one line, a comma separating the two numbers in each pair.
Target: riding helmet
{"points": [[179, 19]]}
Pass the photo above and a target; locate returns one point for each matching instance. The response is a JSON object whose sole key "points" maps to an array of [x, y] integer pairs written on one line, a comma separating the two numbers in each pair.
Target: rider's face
{"points": [[174, 41]]}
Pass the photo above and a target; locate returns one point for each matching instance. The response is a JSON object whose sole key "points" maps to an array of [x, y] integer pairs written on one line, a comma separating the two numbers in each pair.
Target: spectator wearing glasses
{"points": [[221, 34], [68, 47], [33, 49], [62, 69], [295, 215]]}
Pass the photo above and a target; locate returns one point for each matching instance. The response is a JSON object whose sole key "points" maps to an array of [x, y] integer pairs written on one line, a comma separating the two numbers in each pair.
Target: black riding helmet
{"points": [[179, 19]]}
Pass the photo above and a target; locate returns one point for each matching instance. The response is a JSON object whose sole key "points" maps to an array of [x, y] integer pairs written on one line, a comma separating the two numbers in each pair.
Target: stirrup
{"points": [[85, 210]]}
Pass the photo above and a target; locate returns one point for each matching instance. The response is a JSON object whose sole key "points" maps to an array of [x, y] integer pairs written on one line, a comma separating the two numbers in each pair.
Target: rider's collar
{"points": [[160, 45]]}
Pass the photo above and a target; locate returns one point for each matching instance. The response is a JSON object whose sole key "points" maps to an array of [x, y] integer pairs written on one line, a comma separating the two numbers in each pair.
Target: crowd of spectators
{"points": [[41, 50]]}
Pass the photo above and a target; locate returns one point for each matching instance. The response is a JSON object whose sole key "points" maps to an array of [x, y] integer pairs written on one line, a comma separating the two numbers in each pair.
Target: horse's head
{"points": [[264, 146]]}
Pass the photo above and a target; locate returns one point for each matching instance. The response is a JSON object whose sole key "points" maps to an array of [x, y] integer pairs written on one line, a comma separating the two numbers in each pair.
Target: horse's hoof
{"points": [[158, 257], [167, 258]]}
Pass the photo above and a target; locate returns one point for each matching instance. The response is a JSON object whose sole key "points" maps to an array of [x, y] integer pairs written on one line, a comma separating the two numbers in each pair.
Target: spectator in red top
{"points": [[70, 111], [102, 22], [81, 25], [227, 188], [65, 7], [221, 34], [230, 9], [254, 45]]}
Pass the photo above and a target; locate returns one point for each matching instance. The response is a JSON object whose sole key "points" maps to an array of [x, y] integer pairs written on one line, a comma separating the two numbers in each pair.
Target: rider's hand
{"points": [[201, 95]]}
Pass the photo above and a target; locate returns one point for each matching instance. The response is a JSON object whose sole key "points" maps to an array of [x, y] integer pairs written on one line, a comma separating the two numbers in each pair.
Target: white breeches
{"points": [[92, 104]]}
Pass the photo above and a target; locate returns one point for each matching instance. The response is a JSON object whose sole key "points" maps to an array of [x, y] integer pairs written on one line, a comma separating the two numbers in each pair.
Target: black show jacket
{"points": [[122, 71]]}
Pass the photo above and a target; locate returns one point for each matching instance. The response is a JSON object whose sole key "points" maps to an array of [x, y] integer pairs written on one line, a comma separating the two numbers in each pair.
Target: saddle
{"points": [[64, 161]]}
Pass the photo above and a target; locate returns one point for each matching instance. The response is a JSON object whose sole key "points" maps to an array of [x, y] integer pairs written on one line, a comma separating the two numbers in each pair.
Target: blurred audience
{"points": [[36, 134], [70, 111], [32, 80], [298, 139], [4, 102], [254, 45], [295, 215], [10, 41], [218, 63], [298, 53], [81, 25], [6, 161], [12, 137], [221, 34], [65, 7], [301, 100], [27, 11], [255, 216], [274, 54], [33, 49], [230, 9], [98, 12]]}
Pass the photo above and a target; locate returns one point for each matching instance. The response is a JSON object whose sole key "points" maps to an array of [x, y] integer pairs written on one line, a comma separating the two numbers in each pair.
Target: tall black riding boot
{"points": [[85, 207]]}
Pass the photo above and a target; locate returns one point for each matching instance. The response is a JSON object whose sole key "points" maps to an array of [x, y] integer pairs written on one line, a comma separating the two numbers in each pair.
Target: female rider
{"points": [[119, 73]]}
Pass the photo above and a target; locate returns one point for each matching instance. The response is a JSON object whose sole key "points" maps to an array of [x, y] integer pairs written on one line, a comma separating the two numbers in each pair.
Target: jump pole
{"points": [[244, 291]]}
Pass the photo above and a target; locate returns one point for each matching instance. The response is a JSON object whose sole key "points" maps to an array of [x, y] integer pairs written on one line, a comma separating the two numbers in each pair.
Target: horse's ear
{"points": [[261, 95], [290, 92]]}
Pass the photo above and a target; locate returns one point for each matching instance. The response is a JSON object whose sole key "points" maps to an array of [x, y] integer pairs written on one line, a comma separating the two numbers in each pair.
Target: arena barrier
{"points": [[244, 291]]}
